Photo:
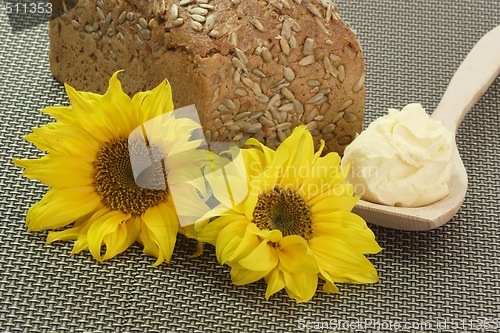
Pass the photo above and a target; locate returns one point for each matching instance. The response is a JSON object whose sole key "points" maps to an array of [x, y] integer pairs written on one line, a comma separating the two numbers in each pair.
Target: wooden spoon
{"points": [[471, 80]]}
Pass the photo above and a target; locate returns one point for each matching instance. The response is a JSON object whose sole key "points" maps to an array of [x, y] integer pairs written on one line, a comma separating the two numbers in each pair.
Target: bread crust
{"points": [[253, 68]]}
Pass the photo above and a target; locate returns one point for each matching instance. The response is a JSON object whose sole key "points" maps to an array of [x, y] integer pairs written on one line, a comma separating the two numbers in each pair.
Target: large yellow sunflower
{"points": [[91, 151], [294, 224]]}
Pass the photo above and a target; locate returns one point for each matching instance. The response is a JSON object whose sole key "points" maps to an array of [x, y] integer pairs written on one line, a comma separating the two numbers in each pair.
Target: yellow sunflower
{"points": [[92, 149], [294, 225]]}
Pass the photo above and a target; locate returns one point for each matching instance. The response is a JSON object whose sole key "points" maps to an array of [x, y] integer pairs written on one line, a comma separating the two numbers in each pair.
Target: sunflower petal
{"points": [[81, 244], [248, 205], [294, 255], [344, 219], [275, 282], [362, 241], [63, 114], [329, 204], [248, 243], [187, 202], [68, 234], [341, 261], [84, 223], [300, 286], [58, 138], [330, 287], [122, 238], [162, 222], [154, 102], [60, 207], [330, 161], [150, 245], [300, 147], [118, 106], [262, 258], [58, 171], [100, 228], [174, 136], [325, 177], [320, 150], [211, 231], [261, 153], [229, 239], [192, 230], [241, 276], [87, 113], [271, 235]]}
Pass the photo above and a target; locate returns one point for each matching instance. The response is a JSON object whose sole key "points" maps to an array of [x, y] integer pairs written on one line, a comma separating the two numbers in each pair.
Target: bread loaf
{"points": [[253, 68]]}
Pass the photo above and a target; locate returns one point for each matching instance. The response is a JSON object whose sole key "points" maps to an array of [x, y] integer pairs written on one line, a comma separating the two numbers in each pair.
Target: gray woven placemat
{"points": [[445, 280]]}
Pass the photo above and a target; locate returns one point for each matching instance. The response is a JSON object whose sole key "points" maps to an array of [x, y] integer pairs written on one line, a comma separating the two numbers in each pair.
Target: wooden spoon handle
{"points": [[471, 80]]}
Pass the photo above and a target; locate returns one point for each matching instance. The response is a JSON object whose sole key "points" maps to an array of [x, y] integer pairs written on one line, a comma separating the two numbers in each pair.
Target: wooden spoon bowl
{"points": [[471, 80]]}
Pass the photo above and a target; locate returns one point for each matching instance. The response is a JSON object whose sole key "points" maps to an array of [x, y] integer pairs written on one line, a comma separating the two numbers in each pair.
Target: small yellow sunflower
{"points": [[294, 225], [89, 168]]}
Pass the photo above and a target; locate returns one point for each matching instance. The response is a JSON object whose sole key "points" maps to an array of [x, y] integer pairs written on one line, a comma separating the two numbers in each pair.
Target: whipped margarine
{"points": [[401, 159]]}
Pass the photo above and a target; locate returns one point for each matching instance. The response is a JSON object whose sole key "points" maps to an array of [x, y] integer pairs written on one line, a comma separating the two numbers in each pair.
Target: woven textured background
{"points": [[448, 277]]}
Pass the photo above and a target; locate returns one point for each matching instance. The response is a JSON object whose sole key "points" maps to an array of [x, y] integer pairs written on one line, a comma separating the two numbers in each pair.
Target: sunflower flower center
{"points": [[284, 210], [115, 181]]}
